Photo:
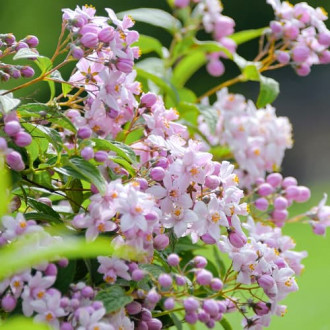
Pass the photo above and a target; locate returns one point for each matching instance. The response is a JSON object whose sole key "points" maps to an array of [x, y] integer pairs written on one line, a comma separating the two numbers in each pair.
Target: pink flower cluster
{"points": [[257, 138], [302, 30]]}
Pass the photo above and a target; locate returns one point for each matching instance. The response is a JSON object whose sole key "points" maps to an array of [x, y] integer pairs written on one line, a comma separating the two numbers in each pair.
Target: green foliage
{"points": [[247, 35], [22, 323], [149, 44], [269, 90]]}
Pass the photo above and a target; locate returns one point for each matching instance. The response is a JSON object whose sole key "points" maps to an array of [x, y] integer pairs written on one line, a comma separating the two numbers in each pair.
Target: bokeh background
{"points": [[306, 101]]}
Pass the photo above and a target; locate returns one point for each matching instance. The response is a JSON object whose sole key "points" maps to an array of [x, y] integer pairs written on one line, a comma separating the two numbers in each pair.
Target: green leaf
{"points": [[159, 81], [75, 195], [33, 110], [187, 95], [188, 111], [121, 149], [113, 298], [20, 323], [225, 324], [63, 122], [187, 67], [125, 164], [251, 72], [219, 261], [153, 16], [269, 90], [211, 47], [176, 321], [43, 217], [44, 63], [149, 44], [210, 115], [4, 184], [247, 35], [66, 89], [43, 208], [153, 270], [65, 276], [25, 53], [80, 168]]}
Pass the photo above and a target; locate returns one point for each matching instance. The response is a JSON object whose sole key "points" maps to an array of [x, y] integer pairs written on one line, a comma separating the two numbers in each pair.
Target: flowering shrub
{"points": [[108, 189]]}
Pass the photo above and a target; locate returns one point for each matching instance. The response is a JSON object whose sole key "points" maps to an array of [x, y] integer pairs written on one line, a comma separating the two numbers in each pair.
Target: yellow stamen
{"points": [[215, 217]]}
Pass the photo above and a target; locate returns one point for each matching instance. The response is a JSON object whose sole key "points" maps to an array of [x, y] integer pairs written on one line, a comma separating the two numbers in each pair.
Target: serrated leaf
{"points": [[187, 67], [25, 53], [247, 35], [119, 148], [113, 298], [149, 44], [80, 168], [153, 16], [269, 90]]}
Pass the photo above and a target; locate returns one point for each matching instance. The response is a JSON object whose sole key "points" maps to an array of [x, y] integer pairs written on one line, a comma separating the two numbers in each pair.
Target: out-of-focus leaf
{"points": [[269, 90], [22, 323], [225, 324], [153, 270], [65, 276], [149, 44], [7, 102], [219, 262], [153, 16], [210, 115], [25, 53], [4, 184], [211, 47], [125, 164], [75, 195], [247, 35], [188, 111], [44, 63], [43, 208], [43, 217]]}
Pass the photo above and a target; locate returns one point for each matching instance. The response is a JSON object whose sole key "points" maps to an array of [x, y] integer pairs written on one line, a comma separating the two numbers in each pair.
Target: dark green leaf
{"points": [[154, 17], [43, 217], [247, 35], [113, 298], [176, 321], [65, 276], [43, 208], [149, 44], [75, 195], [62, 122], [269, 90], [33, 110]]}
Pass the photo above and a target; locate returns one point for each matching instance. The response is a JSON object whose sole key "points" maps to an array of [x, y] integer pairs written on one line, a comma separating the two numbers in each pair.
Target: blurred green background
{"points": [[305, 101]]}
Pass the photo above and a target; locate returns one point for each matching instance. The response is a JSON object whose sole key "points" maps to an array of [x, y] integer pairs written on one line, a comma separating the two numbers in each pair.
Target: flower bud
{"points": [[283, 57], [181, 3], [77, 52], [23, 139], [191, 318], [216, 284], [165, 280], [265, 189], [303, 70], [190, 304], [280, 203], [203, 316], [63, 262], [8, 303], [180, 280], [3, 144], [292, 192], [274, 179], [215, 68], [125, 65], [107, 34], [161, 242], [87, 153], [155, 324], [200, 262], [9, 39], [237, 239], [84, 132], [266, 282], [148, 100], [157, 173], [204, 277], [15, 161], [101, 156], [66, 326], [210, 306], [169, 303], [51, 270], [21, 45], [89, 40], [304, 194], [138, 275], [212, 181], [261, 308], [27, 72], [32, 41], [143, 183], [300, 53], [324, 38], [162, 162], [133, 308], [153, 296], [261, 204], [87, 292], [173, 260], [12, 128]]}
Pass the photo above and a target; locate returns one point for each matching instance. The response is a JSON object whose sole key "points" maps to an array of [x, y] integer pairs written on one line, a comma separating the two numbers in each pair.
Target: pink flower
{"points": [[111, 268]]}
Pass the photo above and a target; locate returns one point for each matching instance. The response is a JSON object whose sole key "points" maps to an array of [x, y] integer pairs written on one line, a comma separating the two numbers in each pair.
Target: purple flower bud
{"points": [[169, 303], [292, 192], [101, 156], [162, 162], [208, 239], [107, 34], [89, 40], [153, 296], [21, 45], [15, 161], [27, 72], [324, 38], [200, 262], [283, 57], [261, 204], [165, 280], [157, 173], [190, 304], [51, 270], [63, 262], [87, 153], [212, 181], [32, 41], [154, 324], [303, 70], [265, 189], [291, 31], [125, 65], [324, 57], [23, 139], [66, 326], [318, 228], [304, 194], [300, 53], [64, 302], [148, 100], [84, 132], [237, 239], [14, 73], [87, 292], [274, 179], [133, 308], [276, 27], [203, 316], [138, 275], [204, 277], [3, 144], [181, 3], [77, 52], [280, 215], [142, 326], [161, 242], [46, 201], [261, 308], [143, 183], [8, 303], [191, 318], [266, 282], [215, 68], [146, 315], [224, 26], [216, 284], [222, 306], [173, 260], [210, 306], [180, 280], [12, 127], [10, 39], [280, 203], [211, 323], [259, 181], [97, 305]]}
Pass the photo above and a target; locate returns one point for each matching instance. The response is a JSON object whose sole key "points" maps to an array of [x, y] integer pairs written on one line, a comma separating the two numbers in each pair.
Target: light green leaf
{"points": [[247, 35], [251, 72], [66, 89], [4, 184], [269, 90], [188, 111], [225, 324], [210, 115], [211, 47], [153, 270], [20, 323], [123, 163], [25, 53], [153, 16], [44, 63], [187, 67], [113, 298], [149, 44]]}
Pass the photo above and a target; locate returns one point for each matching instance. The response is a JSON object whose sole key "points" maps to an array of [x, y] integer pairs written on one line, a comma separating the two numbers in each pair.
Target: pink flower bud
{"points": [[138, 275], [215, 68], [12, 128], [3, 144], [191, 318], [66, 326], [155, 324], [303, 69], [27, 72], [89, 28], [224, 26], [89, 40], [180, 280], [266, 282], [203, 316], [216, 284], [9, 39], [210, 306], [261, 204], [51, 270], [157, 173], [15, 161], [304, 194], [148, 100], [181, 3], [101, 156], [32, 41], [169, 303], [319, 228], [125, 65], [173, 259], [204, 277], [165, 280], [143, 183], [212, 181], [87, 292], [200, 262], [23, 139], [77, 52], [208, 239], [133, 308], [300, 53], [161, 242], [190, 304], [162, 162], [274, 179], [291, 31], [153, 296], [8, 303], [324, 38], [283, 57], [261, 308], [107, 34], [280, 215], [265, 189], [324, 57], [289, 181], [280, 203], [87, 153], [84, 132], [237, 239], [276, 27], [63, 262]]}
